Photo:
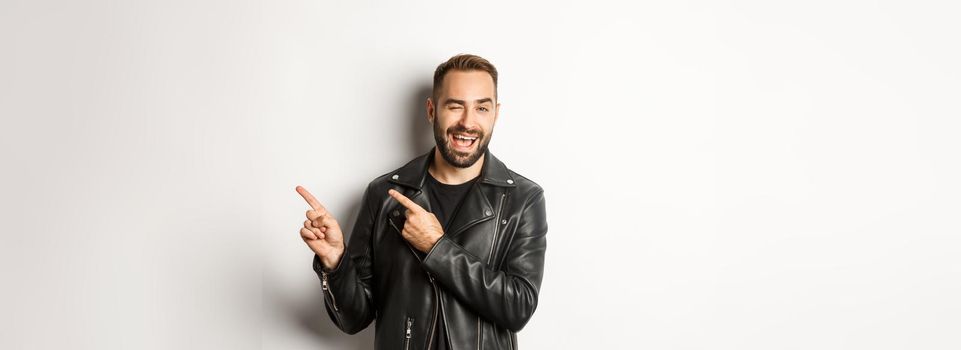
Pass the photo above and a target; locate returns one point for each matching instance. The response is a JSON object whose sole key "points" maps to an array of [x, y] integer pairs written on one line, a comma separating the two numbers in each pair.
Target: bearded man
{"points": [[448, 250]]}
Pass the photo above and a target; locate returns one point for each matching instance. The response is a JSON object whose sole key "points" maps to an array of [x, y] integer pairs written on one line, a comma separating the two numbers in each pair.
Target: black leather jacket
{"points": [[481, 278]]}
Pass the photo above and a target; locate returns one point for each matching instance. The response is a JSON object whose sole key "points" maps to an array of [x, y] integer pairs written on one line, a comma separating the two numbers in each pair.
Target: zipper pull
{"points": [[409, 322], [326, 287]]}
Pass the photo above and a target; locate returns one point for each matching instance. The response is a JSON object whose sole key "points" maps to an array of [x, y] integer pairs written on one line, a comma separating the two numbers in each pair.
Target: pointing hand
{"points": [[421, 229], [321, 232]]}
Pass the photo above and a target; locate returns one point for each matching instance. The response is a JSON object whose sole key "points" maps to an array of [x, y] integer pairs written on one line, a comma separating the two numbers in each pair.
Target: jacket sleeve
{"points": [[506, 297], [346, 288]]}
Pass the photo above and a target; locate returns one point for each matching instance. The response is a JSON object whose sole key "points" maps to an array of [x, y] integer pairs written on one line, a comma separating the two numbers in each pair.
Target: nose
{"points": [[469, 119]]}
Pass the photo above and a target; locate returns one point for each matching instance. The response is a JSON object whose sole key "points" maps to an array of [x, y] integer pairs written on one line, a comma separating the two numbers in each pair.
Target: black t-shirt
{"points": [[444, 201]]}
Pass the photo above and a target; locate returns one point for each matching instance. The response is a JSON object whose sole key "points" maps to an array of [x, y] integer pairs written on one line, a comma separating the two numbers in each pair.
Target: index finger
{"points": [[309, 198], [406, 202]]}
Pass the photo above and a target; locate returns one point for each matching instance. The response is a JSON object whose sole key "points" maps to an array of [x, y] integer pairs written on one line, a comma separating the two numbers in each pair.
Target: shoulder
{"points": [[525, 187], [528, 198], [525, 183]]}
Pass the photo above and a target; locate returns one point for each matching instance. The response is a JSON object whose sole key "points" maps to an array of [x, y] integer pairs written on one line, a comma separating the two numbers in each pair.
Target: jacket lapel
{"points": [[474, 209]]}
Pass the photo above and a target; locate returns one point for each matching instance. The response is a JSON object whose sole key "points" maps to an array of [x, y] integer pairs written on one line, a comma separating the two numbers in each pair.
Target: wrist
{"points": [[330, 262], [432, 242]]}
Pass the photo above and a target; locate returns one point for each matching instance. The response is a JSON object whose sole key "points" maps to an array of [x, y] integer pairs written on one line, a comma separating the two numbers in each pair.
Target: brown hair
{"points": [[463, 62]]}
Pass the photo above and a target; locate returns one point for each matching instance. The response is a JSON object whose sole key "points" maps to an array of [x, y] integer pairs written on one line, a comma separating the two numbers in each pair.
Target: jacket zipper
{"points": [[478, 333], [500, 207], [410, 322], [326, 288], [433, 323]]}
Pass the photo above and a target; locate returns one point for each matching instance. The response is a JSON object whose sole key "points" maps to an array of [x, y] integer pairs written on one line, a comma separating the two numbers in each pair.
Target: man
{"points": [[448, 250]]}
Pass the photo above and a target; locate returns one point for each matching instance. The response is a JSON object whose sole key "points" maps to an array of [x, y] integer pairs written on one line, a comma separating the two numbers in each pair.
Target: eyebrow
{"points": [[462, 102]]}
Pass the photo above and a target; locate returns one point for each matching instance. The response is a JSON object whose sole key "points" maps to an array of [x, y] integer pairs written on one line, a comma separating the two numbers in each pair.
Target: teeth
{"points": [[465, 137]]}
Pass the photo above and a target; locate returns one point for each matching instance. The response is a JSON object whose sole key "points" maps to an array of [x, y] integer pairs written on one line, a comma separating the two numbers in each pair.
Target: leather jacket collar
{"points": [[413, 174], [478, 204]]}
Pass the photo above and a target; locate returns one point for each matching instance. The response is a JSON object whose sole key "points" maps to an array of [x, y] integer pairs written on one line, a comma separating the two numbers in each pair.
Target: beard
{"points": [[454, 157]]}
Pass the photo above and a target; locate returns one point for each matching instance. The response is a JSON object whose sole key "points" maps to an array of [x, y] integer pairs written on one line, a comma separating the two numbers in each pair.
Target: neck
{"points": [[451, 175]]}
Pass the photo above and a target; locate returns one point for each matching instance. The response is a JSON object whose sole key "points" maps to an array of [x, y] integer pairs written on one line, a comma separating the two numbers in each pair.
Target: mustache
{"points": [[462, 130]]}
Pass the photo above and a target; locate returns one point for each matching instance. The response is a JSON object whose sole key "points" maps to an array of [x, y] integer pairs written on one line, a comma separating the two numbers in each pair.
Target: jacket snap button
{"points": [[504, 221], [487, 212], [395, 213], [510, 181], [395, 177]]}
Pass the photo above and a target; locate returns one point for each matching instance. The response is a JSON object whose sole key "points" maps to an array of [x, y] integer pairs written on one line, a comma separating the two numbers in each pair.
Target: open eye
{"points": [[482, 109]]}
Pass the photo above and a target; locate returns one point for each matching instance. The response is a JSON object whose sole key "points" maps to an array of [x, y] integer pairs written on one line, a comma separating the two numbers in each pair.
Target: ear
{"points": [[497, 111], [430, 111]]}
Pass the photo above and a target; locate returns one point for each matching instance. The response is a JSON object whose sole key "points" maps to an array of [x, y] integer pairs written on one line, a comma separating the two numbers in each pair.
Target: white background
{"points": [[737, 175]]}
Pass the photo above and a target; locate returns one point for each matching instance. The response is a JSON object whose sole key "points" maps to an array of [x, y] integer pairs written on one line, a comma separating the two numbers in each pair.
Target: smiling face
{"points": [[464, 116]]}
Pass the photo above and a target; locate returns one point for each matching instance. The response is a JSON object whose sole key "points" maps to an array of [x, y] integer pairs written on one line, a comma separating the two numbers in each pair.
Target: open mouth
{"points": [[463, 142]]}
